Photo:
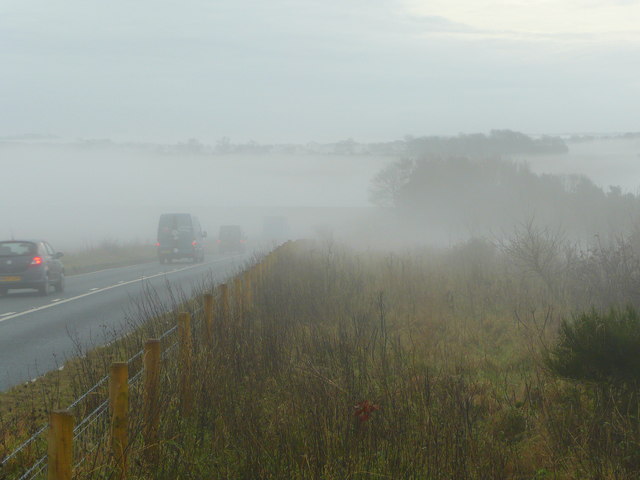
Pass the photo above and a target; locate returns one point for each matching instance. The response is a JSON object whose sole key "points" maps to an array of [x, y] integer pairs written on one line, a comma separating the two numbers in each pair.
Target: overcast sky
{"points": [[302, 70]]}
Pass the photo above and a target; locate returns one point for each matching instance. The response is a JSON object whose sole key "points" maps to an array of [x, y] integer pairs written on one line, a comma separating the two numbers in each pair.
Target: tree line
{"points": [[491, 195]]}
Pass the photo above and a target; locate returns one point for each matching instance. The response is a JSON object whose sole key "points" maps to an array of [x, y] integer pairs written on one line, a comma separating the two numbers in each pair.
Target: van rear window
{"points": [[175, 222], [180, 222]]}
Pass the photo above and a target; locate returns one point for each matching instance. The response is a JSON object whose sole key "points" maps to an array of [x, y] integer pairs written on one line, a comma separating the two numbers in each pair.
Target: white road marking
{"points": [[55, 300], [10, 315], [94, 289], [110, 268]]}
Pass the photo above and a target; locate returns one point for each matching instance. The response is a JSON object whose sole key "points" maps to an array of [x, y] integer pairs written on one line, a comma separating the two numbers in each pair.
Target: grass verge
{"points": [[355, 365], [106, 255]]}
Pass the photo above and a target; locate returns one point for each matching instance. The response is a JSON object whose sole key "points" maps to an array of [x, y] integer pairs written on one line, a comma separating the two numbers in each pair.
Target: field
{"points": [[107, 254], [343, 364]]}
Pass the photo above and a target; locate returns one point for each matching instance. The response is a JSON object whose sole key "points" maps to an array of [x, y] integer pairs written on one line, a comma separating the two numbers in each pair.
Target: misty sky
{"points": [[296, 71]]}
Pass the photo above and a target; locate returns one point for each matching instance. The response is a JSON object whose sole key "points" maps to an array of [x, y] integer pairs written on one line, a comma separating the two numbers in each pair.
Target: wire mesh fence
{"points": [[91, 409], [29, 459]]}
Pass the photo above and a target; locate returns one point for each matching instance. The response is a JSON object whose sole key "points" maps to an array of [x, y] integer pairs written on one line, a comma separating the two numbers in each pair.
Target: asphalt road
{"points": [[38, 333]]}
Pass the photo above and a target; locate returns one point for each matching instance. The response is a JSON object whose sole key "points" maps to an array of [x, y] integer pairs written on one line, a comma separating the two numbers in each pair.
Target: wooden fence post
{"points": [[119, 402], [261, 272], [151, 403], [60, 445], [224, 299], [184, 329], [248, 293], [208, 315], [237, 297]]}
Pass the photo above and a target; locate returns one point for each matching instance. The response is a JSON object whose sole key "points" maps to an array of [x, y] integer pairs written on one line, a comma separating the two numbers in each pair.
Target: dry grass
{"points": [[352, 365], [107, 254]]}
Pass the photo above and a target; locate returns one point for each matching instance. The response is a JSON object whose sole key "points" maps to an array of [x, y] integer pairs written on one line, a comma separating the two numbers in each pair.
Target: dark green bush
{"points": [[599, 347]]}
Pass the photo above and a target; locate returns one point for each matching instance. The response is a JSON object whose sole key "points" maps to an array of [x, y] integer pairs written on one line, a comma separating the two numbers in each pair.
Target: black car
{"points": [[30, 264], [180, 236]]}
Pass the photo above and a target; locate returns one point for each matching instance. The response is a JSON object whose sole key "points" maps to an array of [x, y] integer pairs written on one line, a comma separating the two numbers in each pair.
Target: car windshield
{"points": [[8, 249]]}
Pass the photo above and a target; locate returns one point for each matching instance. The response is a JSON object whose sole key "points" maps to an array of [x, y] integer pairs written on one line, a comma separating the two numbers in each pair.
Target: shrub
{"points": [[601, 350], [599, 347]]}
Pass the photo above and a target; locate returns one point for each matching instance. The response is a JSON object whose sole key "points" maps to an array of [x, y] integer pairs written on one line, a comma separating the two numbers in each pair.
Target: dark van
{"points": [[231, 239], [180, 236]]}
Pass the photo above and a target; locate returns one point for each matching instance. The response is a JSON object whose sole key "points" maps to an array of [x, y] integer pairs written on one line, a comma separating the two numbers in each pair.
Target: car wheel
{"points": [[43, 289], [59, 285]]}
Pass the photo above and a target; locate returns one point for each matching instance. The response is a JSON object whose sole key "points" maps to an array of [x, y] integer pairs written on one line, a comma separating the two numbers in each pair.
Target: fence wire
{"points": [[93, 425], [91, 433], [36, 469]]}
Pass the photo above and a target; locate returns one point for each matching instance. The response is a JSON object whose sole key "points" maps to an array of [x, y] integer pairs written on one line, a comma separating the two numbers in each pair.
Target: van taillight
{"points": [[157, 244], [194, 243], [36, 261]]}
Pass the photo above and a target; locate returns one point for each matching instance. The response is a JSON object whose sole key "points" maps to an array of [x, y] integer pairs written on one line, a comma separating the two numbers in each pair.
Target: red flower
{"points": [[363, 410]]}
